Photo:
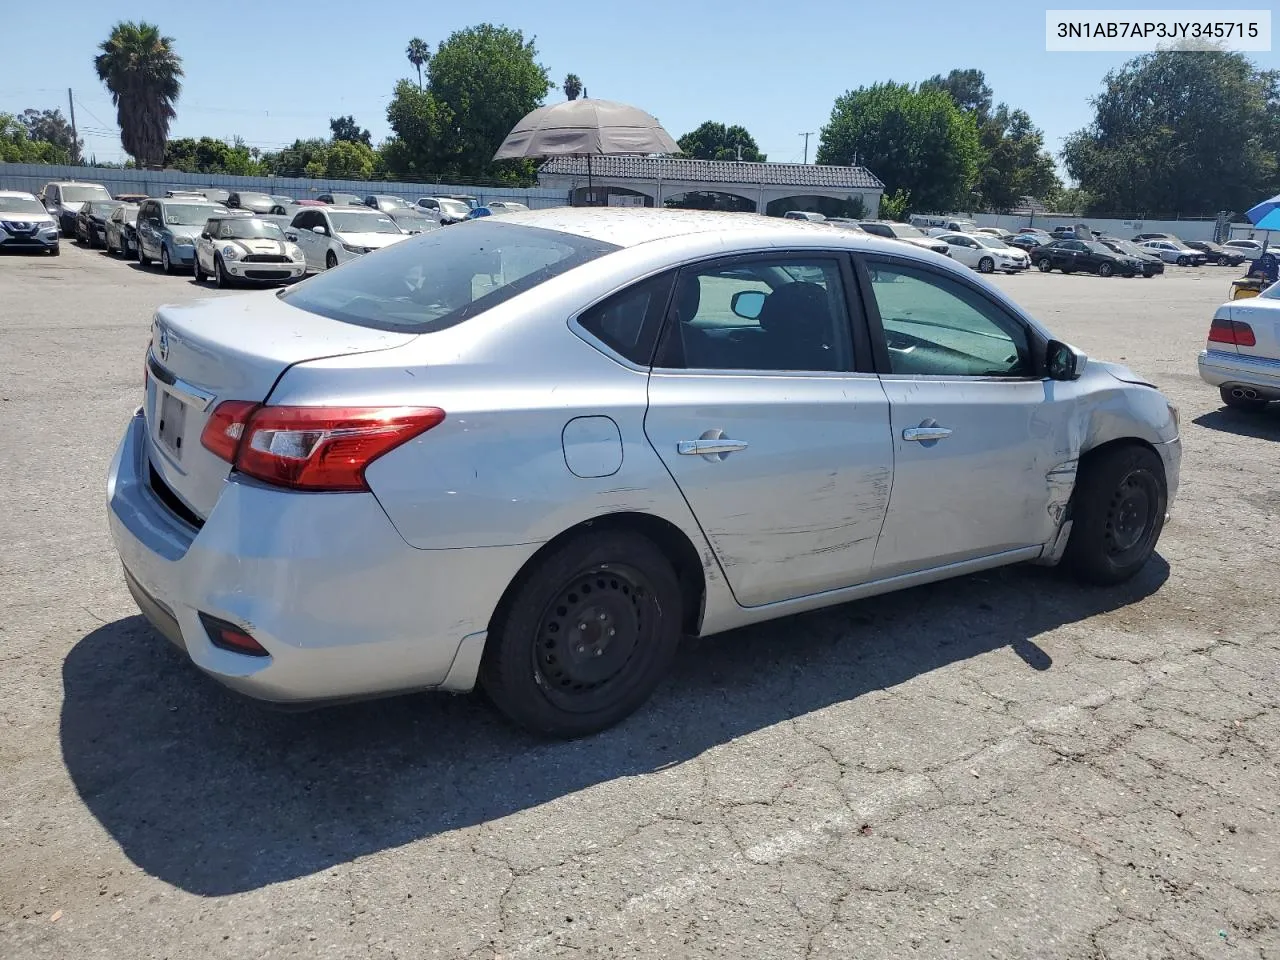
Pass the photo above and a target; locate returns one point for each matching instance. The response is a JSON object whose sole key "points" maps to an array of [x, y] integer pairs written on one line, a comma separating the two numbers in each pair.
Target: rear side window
{"points": [[441, 278], [628, 322]]}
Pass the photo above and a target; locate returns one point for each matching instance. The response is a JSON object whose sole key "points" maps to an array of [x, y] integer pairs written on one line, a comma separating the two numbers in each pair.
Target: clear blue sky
{"points": [[272, 72]]}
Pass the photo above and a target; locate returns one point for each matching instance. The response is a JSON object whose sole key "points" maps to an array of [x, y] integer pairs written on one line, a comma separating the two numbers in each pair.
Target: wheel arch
{"points": [[669, 538]]}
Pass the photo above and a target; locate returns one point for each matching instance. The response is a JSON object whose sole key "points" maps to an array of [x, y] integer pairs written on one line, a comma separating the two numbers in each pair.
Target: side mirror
{"points": [[1063, 361], [320, 230], [747, 304], [291, 237]]}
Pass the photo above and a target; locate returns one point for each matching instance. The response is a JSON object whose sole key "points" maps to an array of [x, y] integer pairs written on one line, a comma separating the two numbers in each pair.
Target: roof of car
{"points": [[628, 227], [16, 193]]}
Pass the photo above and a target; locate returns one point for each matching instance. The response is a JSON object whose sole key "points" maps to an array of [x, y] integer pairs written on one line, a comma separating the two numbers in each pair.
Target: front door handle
{"points": [[926, 433]]}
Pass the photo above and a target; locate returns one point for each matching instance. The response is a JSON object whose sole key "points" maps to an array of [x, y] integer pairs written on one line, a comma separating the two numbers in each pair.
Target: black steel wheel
{"points": [[582, 639], [1105, 269], [1118, 512]]}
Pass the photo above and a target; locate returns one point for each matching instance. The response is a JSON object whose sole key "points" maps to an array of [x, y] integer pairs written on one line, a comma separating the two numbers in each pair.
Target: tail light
{"points": [[1235, 332], [311, 448], [227, 636]]}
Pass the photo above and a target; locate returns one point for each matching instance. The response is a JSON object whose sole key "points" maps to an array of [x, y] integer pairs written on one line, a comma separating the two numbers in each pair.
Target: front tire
{"points": [[330, 260], [199, 274], [165, 263], [1105, 269], [583, 640], [1118, 511], [56, 251], [142, 257], [1252, 404], [1045, 266], [986, 265], [1183, 261], [220, 276]]}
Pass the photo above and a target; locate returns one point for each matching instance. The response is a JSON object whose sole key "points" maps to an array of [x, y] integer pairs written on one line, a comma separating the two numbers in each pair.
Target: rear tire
{"points": [[582, 640], [986, 265], [1118, 511], [1251, 404]]}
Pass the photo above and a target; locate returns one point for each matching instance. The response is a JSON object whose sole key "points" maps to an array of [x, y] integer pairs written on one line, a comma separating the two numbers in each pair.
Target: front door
{"points": [[780, 448], [977, 429]]}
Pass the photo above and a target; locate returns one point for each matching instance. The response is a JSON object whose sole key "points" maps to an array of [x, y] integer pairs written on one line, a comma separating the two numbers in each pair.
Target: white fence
{"points": [[33, 176]]}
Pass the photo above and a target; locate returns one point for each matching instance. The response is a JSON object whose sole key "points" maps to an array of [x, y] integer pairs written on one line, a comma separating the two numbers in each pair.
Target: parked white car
{"points": [[443, 209], [332, 235], [1249, 249], [1242, 357], [905, 232], [1175, 251], [999, 233], [985, 253], [236, 248]]}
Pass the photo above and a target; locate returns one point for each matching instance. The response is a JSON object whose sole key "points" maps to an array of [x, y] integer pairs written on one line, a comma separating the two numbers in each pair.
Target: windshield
{"points": [[249, 229], [990, 242], [455, 208], [394, 202], [80, 192], [1098, 247], [1126, 246], [256, 199], [27, 206], [189, 214], [444, 277], [904, 230], [103, 208], [363, 223]]}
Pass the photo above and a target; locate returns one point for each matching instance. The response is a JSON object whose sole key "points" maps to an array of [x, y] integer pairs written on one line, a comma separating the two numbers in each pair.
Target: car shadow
{"points": [[1259, 424], [217, 795]]}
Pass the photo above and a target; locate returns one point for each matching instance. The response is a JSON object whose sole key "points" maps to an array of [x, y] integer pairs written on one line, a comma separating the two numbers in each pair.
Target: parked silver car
{"points": [[1242, 357], [536, 449]]}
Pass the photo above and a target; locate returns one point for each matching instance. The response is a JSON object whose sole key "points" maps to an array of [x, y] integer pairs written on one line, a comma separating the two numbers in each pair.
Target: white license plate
{"points": [[171, 424]]}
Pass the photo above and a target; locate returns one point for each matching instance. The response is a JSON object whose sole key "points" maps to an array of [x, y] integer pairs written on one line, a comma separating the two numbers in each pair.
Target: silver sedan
{"points": [[533, 451]]}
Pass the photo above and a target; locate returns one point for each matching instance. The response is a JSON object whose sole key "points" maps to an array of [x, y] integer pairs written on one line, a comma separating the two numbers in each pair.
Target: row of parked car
{"points": [[227, 236]]}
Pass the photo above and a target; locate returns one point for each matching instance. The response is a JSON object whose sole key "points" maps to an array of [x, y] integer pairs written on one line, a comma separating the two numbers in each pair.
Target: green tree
{"points": [[17, 145], [968, 88], [914, 139], [50, 126], [419, 54], [1180, 133], [350, 161], [346, 128], [141, 70], [1014, 163], [421, 124], [483, 79], [894, 206], [572, 86], [715, 141], [295, 160]]}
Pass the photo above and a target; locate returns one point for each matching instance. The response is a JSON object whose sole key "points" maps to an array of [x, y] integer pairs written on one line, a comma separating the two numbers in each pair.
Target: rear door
{"points": [[772, 424], [974, 422]]}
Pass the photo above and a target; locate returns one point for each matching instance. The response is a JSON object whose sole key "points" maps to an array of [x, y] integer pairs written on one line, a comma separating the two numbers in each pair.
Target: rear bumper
{"points": [[1221, 369], [344, 607]]}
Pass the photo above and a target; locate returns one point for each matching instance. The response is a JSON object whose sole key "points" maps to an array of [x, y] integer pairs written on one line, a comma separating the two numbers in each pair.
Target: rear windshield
{"points": [[441, 278]]}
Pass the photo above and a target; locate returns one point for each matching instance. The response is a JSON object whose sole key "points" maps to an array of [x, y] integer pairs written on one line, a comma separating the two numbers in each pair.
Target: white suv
{"points": [[332, 235], [25, 224], [443, 209]]}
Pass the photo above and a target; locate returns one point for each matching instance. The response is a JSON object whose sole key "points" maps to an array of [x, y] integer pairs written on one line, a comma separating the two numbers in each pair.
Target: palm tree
{"points": [[418, 53], [572, 86], [142, 72]]}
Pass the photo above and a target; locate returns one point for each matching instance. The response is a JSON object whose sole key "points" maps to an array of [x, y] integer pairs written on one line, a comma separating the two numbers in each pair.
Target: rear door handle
{"points": [[720, 446], [923, 434]]}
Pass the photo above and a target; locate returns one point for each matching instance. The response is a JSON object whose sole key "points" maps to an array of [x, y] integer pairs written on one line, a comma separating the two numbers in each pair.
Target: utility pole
{"points": [[806, 136], [71, 104]]}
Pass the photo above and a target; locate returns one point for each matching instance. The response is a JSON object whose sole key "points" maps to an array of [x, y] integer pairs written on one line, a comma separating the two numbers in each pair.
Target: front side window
{"points": [[936, 326], [770, 314], [435, 280]]}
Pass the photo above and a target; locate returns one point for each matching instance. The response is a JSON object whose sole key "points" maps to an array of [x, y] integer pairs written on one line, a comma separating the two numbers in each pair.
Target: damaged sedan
{"points": [[533, 452]]}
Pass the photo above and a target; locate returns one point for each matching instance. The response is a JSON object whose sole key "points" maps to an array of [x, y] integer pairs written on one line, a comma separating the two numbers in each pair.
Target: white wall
{"points": [[1186, 229]]}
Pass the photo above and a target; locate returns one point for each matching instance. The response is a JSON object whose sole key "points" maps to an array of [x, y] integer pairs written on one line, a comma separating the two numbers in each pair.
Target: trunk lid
{"points": [[209, 351]]}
